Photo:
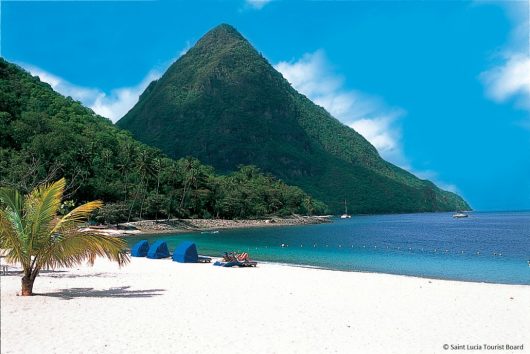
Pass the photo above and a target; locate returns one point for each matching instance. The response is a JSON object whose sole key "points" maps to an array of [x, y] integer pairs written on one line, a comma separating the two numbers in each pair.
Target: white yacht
{"points": [[460, 215]]}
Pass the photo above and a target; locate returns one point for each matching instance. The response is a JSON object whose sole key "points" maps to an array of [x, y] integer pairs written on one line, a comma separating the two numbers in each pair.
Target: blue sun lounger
{"points": [[234, 262]]}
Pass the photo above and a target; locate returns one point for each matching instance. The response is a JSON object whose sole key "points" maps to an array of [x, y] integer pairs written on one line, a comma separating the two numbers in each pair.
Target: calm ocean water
{"points": [[486, 247]]}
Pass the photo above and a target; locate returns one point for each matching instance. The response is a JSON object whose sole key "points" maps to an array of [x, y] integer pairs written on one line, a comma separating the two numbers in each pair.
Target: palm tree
{"points": [[309, 205], [145, 169], [34, 236], [190, 170]]}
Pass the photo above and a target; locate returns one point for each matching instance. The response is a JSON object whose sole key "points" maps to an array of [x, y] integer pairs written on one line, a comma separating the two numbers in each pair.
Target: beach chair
{"points": [[225, 264], [247, 263], [232, 259], [4, 267]]}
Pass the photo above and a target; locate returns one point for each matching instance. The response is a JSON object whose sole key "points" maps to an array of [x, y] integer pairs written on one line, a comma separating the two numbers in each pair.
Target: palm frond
{"points": [[12, 235], [41, 207], [74, 247], [10, 240], [12, 199], [76, 217], [13, 203]]}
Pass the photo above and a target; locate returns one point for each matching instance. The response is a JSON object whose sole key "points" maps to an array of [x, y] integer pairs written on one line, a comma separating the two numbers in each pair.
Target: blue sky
{"points": [[441, 88]]}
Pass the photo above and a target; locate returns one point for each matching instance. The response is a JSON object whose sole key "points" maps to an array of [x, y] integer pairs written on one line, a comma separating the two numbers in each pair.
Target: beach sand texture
{"points": [[159, 306]]}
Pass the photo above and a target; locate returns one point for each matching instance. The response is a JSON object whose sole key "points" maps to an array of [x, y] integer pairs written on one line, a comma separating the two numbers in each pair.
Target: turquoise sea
{"points": [[486, 247]]}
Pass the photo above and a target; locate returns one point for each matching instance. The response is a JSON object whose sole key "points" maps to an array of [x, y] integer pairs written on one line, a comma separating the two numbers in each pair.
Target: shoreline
{"points": [[271, 308], [18, 271], [177, 226], [308, 266]]}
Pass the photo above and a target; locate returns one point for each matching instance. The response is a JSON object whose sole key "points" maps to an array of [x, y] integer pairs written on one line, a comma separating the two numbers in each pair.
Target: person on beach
{"points": [[243, 257]]}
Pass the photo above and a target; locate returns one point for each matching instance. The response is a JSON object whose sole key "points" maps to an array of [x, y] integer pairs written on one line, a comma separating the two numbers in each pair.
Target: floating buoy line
{"points": [[390, 248]]}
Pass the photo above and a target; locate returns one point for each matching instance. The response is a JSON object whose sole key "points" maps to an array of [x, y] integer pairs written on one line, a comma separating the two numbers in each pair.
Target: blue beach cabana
{"points": [[140, 249], [186, 252], [158, 250]]}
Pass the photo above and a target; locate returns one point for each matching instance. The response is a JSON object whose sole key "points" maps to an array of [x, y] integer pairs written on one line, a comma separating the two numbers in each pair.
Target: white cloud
{"points": [[60, 85], [511, 79], [113, 105], [368, 115], [378, 131], [116, 104], [185, 49], [257, 4]]}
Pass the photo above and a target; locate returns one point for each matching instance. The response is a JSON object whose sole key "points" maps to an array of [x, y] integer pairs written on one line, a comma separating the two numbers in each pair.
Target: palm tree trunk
{"points": [[143, 196], [27, 285], [187, 186], [157, 188]]}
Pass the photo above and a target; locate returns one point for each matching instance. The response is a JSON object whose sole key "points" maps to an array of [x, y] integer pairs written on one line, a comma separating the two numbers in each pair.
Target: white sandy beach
{"points": [[159, 306]]}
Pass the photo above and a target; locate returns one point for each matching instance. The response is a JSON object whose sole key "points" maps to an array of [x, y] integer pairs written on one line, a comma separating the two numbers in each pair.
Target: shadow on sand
{"points": [[43, 272], [59, 274], [66, 275], [118, 292]]}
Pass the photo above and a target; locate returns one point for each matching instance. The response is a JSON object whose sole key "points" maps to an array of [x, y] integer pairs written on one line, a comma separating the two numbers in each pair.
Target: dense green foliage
{"points": [[45, 136], [223, 103]]}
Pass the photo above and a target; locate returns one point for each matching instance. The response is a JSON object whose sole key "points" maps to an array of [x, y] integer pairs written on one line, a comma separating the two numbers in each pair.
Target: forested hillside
{"points": [[45, 136]]}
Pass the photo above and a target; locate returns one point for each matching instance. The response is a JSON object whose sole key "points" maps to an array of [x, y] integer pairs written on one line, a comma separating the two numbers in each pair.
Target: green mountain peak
{"points": [[224, 31], [223, 103]]}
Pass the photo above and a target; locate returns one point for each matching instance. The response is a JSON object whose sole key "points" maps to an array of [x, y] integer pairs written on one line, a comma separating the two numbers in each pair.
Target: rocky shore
{"points": [[187, 225]]}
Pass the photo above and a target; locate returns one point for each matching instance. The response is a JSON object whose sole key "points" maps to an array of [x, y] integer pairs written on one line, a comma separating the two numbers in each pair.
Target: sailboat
{"points": [[460, 215], [345, 215]]}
